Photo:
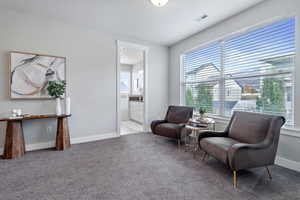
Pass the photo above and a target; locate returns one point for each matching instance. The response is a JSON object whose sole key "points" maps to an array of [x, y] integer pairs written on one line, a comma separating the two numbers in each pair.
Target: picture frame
{"points": [[30, 73]]}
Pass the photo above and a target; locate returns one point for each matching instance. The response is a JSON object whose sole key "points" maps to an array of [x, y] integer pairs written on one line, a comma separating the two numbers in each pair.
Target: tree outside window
{"points": [[204, 97], [272, 98]]}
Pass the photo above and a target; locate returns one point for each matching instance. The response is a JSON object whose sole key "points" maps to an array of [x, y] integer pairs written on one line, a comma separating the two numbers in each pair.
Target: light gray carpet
{"points": [[135, 167]]}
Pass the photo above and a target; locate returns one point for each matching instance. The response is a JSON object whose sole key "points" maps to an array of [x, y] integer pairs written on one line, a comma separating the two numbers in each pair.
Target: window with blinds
{"points": [[250, 72]]}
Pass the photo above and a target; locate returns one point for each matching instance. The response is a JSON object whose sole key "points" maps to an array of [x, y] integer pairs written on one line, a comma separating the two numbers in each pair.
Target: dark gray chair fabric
{"points": [[250, 140], [174, 122]]}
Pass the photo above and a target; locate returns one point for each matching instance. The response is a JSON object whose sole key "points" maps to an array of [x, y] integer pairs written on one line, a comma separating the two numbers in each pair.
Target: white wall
{"points": [[266, 11], [91, 75]]}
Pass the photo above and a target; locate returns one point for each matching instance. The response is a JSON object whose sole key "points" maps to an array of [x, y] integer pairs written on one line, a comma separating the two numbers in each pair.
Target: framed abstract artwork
{"points": [[30, 74]]}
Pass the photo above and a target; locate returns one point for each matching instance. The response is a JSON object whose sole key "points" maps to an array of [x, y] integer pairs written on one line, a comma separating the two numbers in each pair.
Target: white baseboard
{"points": [[290, 164], [93, 138], [39, 146], [47, 145]]}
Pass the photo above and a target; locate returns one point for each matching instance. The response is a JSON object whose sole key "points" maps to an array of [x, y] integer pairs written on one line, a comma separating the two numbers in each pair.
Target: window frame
{"points": [[221, 40]]}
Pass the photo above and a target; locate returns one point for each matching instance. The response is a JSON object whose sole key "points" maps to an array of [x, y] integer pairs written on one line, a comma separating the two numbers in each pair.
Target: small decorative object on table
{"points": [[19, 112], [206, 122], [16, 113], [202, 112], [197, 123], [57, 89]]}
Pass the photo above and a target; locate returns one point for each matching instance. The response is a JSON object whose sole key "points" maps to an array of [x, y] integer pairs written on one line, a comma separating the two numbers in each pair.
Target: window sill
{"points": [[286, 130]]}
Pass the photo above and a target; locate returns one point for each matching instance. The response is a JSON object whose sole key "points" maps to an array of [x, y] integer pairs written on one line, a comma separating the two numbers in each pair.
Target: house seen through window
{"points": [[250, 72]]}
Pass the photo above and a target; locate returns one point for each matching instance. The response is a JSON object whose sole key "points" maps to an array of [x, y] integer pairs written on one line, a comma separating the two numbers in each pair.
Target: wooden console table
{"points": [[14, 140]]}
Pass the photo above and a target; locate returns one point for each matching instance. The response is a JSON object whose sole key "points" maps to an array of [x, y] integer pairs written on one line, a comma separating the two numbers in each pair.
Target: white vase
{"points": [[58, 106], [68, 106]]}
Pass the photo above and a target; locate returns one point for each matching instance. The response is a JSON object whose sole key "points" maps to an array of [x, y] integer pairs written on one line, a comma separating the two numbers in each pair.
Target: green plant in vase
{"points": [[56, 89], [202, 112]]}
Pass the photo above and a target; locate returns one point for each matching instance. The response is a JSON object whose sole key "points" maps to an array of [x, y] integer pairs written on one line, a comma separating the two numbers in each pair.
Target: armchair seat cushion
{"points": [[218, 147], [169, 130]]}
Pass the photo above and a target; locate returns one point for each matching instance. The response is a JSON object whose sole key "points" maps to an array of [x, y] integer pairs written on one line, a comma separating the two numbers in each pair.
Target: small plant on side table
{"points": [[202, 112], [56, 89]]}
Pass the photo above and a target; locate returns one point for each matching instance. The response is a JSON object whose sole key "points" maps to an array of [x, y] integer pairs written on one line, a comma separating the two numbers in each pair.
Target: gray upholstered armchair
{"points": [[250, 140], [174, 122]]}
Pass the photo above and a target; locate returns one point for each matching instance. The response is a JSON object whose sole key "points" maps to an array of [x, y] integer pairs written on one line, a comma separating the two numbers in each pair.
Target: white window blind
{"points": [[202, 73], [249, 72]]}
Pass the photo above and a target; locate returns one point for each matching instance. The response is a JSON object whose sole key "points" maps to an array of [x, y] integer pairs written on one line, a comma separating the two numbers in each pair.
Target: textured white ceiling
{"points": [[136, 18]]}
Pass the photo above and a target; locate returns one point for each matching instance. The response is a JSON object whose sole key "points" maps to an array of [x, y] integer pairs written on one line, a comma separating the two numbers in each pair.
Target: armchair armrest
{"points": [[182, 125], [243, 156], [182, 131], [240, 146], [206, 134], [155, 123]]}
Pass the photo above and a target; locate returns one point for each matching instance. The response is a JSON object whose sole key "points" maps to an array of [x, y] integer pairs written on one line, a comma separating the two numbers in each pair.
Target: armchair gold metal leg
{"points": [[234, 179], [269, 173]]}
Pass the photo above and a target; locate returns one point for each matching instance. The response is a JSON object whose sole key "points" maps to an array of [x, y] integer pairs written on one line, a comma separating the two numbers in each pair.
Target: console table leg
{"points": [[62, 137], [14, 140]]}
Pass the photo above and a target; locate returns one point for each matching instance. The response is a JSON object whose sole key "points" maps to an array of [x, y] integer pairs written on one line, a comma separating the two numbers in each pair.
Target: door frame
{"points": [[145, 49]]}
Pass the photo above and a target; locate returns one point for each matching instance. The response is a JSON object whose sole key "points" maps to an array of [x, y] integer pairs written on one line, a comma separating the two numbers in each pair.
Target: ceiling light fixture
{"points": [[159, 3]]}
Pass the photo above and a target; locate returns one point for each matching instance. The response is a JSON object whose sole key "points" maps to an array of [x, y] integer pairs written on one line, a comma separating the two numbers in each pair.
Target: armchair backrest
{"points": [[179, 114], [253, 128]]}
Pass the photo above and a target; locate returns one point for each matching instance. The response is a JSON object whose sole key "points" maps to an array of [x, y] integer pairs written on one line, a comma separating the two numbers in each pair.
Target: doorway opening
{"points": [[131, 76]]}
